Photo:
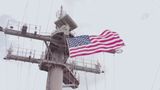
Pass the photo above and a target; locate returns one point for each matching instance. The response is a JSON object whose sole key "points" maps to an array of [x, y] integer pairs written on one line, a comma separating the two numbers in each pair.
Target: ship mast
{"points": [[55, 59]]}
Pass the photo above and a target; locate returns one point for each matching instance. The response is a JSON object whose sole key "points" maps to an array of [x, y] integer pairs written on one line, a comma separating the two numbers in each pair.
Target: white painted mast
{"points": [[54, 62]]}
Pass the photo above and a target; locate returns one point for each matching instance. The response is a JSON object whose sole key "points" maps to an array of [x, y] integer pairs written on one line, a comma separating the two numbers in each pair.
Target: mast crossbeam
{"points": [[38, 61]]}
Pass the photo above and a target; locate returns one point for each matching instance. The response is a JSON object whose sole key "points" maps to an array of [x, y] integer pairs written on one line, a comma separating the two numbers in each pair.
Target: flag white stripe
{"points": [[109, 42], [94, 51], [93, 39], [99, 37], [94, 47], [105, 32]]}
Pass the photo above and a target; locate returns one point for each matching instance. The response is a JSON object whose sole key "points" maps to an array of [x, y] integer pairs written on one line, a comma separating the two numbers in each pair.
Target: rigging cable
{"points": [[93, 61], [6, 66], [37, 13], [86, 80], [19, 65], [6, 44], [155, 77], [95, 82], [114, 73], [49, 15], [36, 76], [37, 26], [31, 54], [28, 76], [18, 79], [25, 10], [104, 64]]}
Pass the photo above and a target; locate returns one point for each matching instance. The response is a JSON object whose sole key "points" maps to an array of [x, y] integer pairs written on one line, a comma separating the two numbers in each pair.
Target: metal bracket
{"points": [[1, 29], [63, 29]]}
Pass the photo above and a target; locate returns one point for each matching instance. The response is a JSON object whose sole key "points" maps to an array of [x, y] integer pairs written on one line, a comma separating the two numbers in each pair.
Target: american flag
{"points": [[107, 41]]}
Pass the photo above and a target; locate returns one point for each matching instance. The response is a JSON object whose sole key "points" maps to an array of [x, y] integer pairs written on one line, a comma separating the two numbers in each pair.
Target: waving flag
{"points": [[107, 41]]}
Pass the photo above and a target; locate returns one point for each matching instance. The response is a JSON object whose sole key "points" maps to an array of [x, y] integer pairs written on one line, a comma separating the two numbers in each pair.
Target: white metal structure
{"points": [[54, 62]]}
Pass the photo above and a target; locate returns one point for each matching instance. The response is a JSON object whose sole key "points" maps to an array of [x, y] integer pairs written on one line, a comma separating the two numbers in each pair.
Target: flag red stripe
{"points": [[83, 54], [104, 40], [96, 44], [103, 37], [93, 49], [93, 52], [105, 32]]}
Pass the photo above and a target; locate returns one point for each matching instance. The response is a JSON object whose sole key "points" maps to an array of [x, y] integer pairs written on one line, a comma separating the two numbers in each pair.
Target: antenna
{"points": [[60, 13]]}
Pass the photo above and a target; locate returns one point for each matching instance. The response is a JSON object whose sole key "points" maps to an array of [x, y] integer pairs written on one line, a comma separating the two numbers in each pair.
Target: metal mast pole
{"points": [[55, 71], [55, 78]]}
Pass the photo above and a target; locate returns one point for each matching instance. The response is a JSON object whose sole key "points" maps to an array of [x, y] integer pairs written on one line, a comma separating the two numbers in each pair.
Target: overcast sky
{"points": [[137, 22]]}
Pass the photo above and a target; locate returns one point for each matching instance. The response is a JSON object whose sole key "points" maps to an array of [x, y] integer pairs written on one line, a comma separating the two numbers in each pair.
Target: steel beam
{"points": [[31, 35], [38, 61], [27, 34]]}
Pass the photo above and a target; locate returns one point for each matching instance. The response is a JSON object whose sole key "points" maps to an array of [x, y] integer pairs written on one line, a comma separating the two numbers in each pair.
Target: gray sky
{"points": [[137, 22]]}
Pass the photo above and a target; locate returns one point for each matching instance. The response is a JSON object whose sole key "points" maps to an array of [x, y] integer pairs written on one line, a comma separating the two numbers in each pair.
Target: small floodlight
{"points": [[11, 27], [118, 51], [1, 29], [24, 29]]}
